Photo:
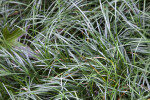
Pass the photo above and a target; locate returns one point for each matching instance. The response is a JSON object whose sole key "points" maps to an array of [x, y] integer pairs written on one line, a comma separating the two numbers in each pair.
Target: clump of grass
{"points": [[85, 49]]}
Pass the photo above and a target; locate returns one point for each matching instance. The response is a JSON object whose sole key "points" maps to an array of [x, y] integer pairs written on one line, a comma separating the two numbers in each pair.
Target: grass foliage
{"points": [[85, 50]]}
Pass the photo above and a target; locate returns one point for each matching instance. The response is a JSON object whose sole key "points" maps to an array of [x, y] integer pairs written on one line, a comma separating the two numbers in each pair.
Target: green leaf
{"points": [[14, 35], [5, 32], [10, 38]]}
